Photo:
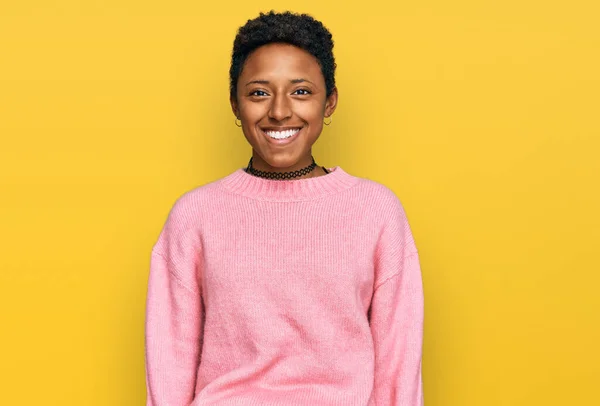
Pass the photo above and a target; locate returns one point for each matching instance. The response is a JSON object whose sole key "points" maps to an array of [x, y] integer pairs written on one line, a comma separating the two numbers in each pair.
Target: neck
{"points": [[261, 165]]}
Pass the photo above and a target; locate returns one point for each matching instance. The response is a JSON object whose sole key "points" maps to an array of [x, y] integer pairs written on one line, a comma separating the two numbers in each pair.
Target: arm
{"points": [[174, 315], [396, 315]]}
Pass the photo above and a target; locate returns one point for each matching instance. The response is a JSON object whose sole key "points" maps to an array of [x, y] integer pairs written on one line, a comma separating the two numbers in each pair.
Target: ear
{"points": [[331, 102], [234, 106]]}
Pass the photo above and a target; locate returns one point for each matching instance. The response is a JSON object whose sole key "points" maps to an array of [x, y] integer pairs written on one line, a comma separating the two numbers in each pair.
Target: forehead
{"points": [[281, 61]]}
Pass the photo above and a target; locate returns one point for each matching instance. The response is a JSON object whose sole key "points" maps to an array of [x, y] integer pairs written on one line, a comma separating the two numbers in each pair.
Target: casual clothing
{"points": [[295, 292]]}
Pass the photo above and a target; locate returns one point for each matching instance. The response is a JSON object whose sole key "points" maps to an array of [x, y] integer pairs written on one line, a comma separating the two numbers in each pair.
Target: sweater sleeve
{"points": [[174, 316], [396, 315]]}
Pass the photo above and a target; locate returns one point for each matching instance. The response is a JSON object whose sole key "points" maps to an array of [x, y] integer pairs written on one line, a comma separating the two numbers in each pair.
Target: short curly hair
{"points": [[300, 30]]}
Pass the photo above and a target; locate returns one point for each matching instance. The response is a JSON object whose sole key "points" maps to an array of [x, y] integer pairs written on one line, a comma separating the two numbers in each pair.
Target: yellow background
{"points": [[482, 116]]}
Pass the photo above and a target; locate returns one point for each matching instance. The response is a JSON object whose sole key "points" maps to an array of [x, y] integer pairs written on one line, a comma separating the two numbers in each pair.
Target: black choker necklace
{"points": [[283, 175]]}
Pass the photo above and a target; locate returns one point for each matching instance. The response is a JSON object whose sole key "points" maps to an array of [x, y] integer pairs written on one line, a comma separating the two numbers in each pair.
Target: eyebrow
{"points": [[266, 82]]}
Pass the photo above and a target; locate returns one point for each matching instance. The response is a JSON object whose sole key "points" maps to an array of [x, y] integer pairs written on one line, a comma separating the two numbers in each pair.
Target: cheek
{"points": [[251, 111], [310, 112]]}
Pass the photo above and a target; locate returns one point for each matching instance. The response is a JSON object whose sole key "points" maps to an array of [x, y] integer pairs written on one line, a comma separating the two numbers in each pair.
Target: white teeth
{"points": [[280, 135]]}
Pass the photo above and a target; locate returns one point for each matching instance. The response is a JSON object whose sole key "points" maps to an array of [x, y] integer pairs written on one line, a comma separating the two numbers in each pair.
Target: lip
{"points": [[280, 142], [290, 127]]}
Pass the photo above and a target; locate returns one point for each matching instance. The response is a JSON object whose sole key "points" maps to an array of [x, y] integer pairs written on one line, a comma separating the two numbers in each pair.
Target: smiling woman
{"points": [[281, 100], [285, 283]]}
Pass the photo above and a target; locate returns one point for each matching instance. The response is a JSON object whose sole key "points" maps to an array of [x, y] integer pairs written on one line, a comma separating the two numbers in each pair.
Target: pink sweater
{"points": [[296, 292]]}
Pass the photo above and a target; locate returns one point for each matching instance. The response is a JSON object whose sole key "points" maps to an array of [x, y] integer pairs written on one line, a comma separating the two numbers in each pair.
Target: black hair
{"points": [[300, 30]]}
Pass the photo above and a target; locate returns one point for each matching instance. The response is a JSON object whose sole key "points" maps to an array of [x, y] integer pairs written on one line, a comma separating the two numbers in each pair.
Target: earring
{"points": [[236, 120], [327, 123]]}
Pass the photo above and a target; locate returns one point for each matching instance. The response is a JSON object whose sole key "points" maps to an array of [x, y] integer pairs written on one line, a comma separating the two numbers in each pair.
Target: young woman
{"points": [[285, 282]]}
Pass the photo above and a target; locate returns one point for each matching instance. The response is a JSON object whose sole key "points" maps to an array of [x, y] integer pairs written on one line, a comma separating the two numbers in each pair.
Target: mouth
{"points": [[281, 136]]}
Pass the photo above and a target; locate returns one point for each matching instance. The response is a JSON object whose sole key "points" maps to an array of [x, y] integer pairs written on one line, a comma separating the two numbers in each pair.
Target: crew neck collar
{"points": [[242, 183]]}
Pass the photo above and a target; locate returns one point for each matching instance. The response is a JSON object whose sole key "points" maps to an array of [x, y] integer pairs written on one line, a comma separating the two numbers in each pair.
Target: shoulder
{"points": [[390, 218], [380, 198], [385, 212], [185, 216], [189, 207]]}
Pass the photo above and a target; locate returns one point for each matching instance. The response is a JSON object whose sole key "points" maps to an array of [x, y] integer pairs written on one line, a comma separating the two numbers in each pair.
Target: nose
{"points": [[280, 108]]}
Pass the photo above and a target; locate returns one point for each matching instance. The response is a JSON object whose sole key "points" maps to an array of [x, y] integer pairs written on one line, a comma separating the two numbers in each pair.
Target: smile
{"points": [[282, 135]]}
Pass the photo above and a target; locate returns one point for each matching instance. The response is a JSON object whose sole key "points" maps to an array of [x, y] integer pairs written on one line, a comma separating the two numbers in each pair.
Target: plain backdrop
{"points": [[482, 116]]}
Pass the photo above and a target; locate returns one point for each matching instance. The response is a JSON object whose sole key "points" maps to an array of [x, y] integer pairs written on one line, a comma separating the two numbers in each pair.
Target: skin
{"points": [[281, 86]]}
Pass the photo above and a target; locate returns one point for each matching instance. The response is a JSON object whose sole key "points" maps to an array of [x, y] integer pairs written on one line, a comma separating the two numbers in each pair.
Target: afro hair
{"points": [[300, 30]]}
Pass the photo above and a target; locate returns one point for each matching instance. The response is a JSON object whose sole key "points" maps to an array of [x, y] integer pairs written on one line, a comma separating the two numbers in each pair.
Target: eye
{"points": [[306, 91], [256, 93]]}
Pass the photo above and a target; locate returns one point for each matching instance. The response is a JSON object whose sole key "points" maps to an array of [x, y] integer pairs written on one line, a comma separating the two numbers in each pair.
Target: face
{"points": [[281, 102]]}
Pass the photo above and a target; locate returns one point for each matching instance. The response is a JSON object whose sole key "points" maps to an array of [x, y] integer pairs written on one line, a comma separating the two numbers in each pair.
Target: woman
{"points": [[284, 283]]}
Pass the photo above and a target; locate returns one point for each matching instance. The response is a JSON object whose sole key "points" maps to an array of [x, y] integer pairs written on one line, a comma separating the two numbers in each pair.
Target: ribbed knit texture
{"points": [[296, 292]]}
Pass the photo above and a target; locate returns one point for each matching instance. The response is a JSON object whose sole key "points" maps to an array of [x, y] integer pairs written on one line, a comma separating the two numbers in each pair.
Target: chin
{"points": [[281, 161]]}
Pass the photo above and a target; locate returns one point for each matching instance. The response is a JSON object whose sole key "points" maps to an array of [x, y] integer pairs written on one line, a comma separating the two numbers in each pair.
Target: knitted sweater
{"points": [[285, 292]]}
